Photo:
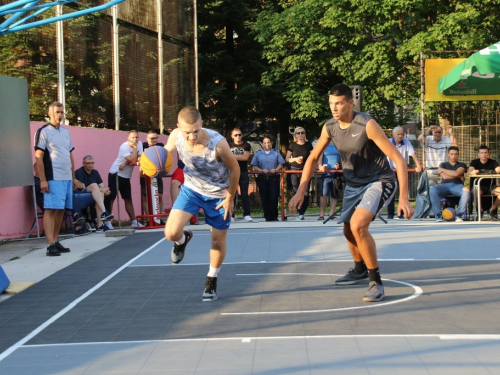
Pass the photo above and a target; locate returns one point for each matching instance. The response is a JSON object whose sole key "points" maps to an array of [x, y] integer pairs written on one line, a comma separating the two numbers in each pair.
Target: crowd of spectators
{"points": [[91, 201]]}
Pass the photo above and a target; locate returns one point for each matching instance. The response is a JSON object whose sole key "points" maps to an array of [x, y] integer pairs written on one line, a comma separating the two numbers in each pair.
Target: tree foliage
{"points": [[231, 66], [313, 44]]}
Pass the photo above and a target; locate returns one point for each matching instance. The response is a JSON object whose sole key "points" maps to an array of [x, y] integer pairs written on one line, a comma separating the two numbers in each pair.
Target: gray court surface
{"points": [[127, 310]]}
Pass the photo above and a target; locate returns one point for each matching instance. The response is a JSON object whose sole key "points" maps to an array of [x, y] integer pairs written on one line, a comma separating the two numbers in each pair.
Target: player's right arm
{"points": [[170, 146], [40, 170]]}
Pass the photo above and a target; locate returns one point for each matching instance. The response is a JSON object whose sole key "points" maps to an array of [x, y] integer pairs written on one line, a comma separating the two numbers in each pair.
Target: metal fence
{"points": [[89, 68]]}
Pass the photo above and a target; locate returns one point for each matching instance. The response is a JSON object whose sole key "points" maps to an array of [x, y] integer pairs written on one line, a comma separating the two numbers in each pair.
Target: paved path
{"points": [[127, 310]]}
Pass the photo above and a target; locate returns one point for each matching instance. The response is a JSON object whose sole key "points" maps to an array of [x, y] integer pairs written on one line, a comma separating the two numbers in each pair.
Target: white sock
{"points": [[213, 272], [181, 241]]}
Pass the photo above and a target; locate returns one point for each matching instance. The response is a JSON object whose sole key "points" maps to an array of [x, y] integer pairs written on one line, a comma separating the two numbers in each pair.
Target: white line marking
{"points": [[319, 261], [418, 292], [71, 305], [255, 338]]}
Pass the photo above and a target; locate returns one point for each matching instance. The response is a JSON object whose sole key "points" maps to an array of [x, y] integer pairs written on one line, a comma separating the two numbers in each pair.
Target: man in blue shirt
{"points": [[331, 183], [268, 162]]}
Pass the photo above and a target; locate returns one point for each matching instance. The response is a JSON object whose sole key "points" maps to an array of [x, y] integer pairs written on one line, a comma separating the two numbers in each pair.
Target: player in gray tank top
{"points": [[370, 183], [211, 175]]}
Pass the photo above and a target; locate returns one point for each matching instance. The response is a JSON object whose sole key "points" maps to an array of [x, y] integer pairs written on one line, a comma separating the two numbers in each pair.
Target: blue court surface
{"points": [[127, 310]]}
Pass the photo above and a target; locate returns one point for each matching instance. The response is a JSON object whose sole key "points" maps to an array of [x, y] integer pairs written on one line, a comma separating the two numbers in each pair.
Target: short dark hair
{"points": [[152, 132], [341, 89], [453, 148], [483, 147], [268, 137], [189, 115]]}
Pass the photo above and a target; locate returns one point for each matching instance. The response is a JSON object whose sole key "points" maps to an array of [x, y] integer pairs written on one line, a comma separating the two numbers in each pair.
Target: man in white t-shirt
{"points": [[406, 150], [123, 166], [436, 149]]}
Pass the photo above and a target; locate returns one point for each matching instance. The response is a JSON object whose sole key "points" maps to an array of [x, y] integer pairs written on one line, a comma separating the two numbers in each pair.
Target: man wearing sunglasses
{"points": [[241, 150]]}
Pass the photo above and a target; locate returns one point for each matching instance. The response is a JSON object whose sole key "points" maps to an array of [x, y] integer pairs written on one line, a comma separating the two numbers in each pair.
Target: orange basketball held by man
{"points": [[156, 161]]}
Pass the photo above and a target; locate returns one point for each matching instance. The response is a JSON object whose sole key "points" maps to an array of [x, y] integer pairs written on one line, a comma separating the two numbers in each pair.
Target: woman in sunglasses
{"points": [[296, 155]]}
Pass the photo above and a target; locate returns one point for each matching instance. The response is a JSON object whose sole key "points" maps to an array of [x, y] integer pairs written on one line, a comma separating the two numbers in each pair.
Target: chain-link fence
{"points": [[89, 75]]}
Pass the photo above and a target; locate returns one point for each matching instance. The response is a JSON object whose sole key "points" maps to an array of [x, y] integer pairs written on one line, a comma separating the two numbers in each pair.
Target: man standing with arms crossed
{"points": [[55, 167], [211, 175], [241, 150], [370, 183]]}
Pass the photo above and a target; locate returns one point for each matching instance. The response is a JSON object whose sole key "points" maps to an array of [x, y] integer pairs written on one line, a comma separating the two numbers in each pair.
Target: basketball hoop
{"points": [[30, 9]]}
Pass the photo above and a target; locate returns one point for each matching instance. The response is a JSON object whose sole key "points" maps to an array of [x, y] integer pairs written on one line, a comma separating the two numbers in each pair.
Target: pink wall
{"points": [[16, 206]]}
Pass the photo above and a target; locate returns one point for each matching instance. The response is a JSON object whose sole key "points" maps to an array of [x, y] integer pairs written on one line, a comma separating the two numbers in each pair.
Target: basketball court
{"points": [[127, 310]]}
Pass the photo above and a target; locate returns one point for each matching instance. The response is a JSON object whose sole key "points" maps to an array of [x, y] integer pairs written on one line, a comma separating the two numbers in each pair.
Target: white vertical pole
{"points": [[160, 63], [195, 26], [60, 58], [116, 68]]}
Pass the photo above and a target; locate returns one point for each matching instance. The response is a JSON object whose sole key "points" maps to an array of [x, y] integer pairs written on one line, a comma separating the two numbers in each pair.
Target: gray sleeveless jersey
{"points": [[204, 173], [362, 161]]}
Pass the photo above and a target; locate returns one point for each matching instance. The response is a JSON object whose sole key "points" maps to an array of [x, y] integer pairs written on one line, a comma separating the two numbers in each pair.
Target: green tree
{"points": [[231, 66], [313, 44]]}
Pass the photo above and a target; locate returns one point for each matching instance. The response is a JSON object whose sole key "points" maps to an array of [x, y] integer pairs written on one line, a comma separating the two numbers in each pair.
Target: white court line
{"points": [[417, 293], [256, 338], [71, 305], [320, 261]]}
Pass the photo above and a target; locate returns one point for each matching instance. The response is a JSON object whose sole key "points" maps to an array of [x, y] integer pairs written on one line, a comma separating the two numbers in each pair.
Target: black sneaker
{"points": [[102, 228], [61, 248], [352, 277], [82, 231], [78, 219], [52, 251], [210, 291], [106, 216], [178, 251]]}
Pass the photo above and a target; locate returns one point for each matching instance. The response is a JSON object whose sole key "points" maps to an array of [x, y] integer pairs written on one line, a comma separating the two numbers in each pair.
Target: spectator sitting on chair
{"points": [[436, 147], [406, 149], [331, 183], [451, 173], [485, 165], [92, 183], [88, 196]]}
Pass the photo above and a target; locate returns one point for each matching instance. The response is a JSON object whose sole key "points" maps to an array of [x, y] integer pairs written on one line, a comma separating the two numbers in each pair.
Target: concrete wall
{"points": [[16, 206]]}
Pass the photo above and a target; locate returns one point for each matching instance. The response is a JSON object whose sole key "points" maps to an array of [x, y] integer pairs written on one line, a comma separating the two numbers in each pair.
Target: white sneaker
{"points": [[248, 219], [458, 219], [135, 224], [300, 217], [109, 225]]}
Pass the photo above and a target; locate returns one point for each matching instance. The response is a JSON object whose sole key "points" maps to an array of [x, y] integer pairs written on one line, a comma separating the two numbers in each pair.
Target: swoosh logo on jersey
{"points": [[354, 135]]}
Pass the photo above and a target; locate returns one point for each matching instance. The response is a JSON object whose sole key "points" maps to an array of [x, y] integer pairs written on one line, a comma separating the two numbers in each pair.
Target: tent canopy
{"points": [[478, 75]]}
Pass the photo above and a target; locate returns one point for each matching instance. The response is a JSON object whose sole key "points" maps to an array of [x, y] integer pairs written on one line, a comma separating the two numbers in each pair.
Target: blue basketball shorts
{"points": [[191, 201], [60, 195]]}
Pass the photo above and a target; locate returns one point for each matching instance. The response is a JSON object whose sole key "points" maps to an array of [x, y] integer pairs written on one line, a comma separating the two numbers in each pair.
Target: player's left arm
{"points": [[376, 134], [224, 153]]}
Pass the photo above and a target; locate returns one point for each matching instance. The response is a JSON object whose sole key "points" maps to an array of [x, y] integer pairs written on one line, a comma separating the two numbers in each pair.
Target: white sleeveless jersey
{"points": [[204, 173]]}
